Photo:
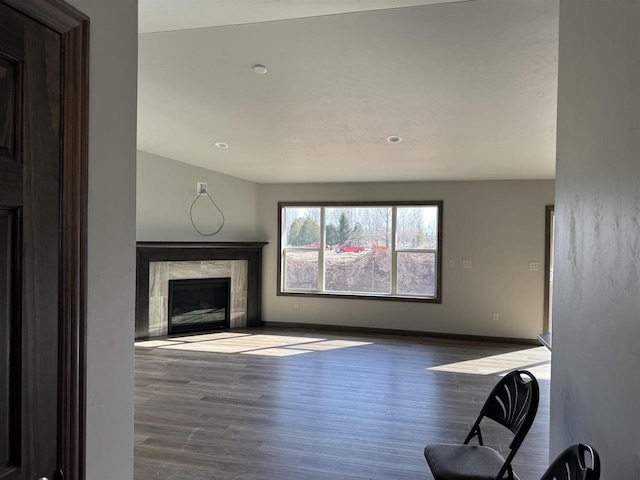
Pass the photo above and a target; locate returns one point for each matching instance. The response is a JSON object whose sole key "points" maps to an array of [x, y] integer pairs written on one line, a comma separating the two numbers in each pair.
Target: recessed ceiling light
{"points": [[259, 69], [394, 139], [221, 145]]}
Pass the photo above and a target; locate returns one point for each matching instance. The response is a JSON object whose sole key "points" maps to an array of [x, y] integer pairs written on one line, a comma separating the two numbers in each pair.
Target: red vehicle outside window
{"points": [[349, 247]]}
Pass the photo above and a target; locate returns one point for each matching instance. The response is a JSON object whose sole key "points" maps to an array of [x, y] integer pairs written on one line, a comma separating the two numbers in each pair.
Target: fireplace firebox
{"points": [[199, 304]]}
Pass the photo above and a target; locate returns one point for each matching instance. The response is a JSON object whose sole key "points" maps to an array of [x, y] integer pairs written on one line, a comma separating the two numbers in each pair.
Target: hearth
{"points": [[199, 304]]}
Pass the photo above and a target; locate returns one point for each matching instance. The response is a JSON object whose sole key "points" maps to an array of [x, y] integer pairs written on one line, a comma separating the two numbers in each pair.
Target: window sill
{"points": [[360, 296]]}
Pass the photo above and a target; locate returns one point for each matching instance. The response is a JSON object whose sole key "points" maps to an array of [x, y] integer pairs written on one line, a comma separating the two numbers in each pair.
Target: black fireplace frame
{"points": [[200, 326], [147, 252]]}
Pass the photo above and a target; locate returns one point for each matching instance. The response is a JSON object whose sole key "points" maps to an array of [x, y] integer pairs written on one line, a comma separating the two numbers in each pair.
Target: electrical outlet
{"points": [[496, 317], [201, 188], [452, 264], [534, 267], [296, 305], [467, 264]]}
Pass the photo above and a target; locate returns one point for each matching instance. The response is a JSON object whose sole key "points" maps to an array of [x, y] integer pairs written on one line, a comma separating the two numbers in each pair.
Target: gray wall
{"points": [[499, 225], [167, 188], [595, 391], [111, 253]]}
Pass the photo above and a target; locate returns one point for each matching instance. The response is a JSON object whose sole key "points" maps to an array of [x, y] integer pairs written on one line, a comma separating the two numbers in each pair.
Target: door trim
{"points": [[73, 28], [547, 265]]}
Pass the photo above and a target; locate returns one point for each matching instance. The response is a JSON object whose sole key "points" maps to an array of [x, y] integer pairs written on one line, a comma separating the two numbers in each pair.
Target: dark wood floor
{"points": [[266, 404]]}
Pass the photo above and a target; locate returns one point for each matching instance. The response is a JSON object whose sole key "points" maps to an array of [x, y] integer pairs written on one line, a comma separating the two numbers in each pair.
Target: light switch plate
{"points": [[534, 266], [467, 264]]}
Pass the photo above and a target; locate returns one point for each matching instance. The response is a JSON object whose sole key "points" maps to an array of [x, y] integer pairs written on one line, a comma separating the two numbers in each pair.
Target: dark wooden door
{"points": [[30, 234]]}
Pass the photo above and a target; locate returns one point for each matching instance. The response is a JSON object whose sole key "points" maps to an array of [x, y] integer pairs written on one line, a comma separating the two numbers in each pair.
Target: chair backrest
{"points": [[572, 464], [513, 403]]}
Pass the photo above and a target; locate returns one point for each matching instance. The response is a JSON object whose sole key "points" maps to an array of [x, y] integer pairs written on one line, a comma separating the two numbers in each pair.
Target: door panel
{"points": [[11, 122], [9, 82], [9, 340], [30, 156]]}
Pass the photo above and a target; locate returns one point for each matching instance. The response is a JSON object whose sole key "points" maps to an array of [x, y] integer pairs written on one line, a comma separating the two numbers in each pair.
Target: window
{"points": [[385, 250]]}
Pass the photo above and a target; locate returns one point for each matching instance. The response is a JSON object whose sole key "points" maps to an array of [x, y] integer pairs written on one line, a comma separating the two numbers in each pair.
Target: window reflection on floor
{"points": [[537, 360], [244, 343]]}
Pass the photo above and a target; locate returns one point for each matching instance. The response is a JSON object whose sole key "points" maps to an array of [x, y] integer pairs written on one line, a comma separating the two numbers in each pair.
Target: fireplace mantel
{"points": [[147, 252]]}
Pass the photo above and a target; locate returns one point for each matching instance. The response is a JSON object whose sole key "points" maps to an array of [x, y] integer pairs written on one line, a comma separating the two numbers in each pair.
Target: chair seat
{"points": [[463, 462]]}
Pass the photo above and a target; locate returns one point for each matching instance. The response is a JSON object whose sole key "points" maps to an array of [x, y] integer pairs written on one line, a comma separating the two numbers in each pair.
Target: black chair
{"points": [[512, 403], [572, 464]]}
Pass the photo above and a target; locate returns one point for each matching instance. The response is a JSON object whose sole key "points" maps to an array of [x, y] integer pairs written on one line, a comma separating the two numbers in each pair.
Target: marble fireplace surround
{"points": [[158, 262], [161, 272]]}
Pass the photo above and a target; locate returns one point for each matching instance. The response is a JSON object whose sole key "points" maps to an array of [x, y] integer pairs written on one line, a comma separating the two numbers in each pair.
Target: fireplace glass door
{"points": [[199, 304]]}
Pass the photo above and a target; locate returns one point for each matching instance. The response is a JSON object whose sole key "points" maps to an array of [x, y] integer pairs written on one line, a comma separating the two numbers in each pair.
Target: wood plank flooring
{"points": [[276, 404]]}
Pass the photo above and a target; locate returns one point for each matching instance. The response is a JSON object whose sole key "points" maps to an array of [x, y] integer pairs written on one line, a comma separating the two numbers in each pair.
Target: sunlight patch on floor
{"points": [[276, 352], [537, 358], [245, 343], [210, 336], [541, 372], [333, 345], [154, 343]]}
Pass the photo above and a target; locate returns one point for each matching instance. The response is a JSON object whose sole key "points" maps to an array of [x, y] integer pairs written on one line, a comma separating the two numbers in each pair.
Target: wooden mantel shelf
{"points": [[200, 245]]}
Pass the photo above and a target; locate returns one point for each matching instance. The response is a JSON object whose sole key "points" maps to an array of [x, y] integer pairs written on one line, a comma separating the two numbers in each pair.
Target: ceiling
{"points": [[469, 86]]}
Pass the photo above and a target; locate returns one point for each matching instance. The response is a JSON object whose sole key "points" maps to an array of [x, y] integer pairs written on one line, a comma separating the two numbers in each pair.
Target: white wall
{"points": [[595, 391], [166, 188], [111, 254], [499, 225]]}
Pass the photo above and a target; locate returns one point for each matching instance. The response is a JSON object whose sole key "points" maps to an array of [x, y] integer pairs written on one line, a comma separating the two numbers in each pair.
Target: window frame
{"points": [[393, 296]]}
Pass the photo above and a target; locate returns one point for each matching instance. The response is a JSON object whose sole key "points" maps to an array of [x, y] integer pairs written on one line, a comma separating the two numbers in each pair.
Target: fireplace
{"points": [[161, 262], [199, 304]]}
